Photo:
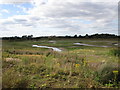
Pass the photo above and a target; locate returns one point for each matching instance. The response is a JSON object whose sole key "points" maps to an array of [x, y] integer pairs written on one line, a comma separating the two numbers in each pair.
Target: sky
{"points": [[58, 17]]}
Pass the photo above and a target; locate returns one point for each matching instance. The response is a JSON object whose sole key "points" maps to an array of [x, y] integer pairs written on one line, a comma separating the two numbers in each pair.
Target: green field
{"points": [[76, 66]]}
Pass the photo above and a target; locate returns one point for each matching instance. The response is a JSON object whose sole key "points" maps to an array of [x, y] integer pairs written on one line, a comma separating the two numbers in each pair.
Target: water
{"points": [[53, 48], [89, 45], [52, 41], [116, 44]]}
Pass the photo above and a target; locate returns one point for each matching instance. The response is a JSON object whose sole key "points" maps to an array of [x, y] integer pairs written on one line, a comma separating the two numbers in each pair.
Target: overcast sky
{"points": [[58, 17]]}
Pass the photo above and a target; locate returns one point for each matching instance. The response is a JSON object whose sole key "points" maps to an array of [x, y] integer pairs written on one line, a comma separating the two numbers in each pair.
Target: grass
{"points": [[74, 67], [115, 52]]}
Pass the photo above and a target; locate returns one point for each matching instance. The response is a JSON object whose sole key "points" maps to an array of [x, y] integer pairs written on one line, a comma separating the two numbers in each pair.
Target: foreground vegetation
{"points": [[75, 67]]}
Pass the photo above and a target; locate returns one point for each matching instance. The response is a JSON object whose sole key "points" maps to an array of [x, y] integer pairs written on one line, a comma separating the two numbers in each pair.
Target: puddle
{"points": [[89, 45], [116, 44], [52, 41], [53, 48]]}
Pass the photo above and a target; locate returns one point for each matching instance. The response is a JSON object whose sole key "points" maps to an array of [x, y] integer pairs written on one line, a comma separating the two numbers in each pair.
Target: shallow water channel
{"points": [[53, 48], [89, 45]]}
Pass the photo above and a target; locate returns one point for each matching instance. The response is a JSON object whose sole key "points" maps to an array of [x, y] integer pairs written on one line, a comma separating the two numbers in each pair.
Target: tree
{"points": [[75, 36], [24, 37], [30, 37], [86, 36]]}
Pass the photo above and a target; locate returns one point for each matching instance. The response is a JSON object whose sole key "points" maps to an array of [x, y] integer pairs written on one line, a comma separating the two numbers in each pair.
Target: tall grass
{"points": [[36, 67], [115, 52]]}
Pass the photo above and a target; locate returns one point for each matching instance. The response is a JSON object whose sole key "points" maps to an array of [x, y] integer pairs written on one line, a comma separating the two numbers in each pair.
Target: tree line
{"points": [[30, 37]]}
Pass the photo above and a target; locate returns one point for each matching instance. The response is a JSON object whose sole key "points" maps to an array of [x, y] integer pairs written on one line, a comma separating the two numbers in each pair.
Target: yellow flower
{"points": [[115, 72], [58, 64], [47, 75], [77, 65], [44, 85]]}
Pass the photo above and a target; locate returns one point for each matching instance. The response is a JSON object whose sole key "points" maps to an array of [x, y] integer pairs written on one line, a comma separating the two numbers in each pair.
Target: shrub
{"points": [[12, 79], [115, 52], [106, 75]]}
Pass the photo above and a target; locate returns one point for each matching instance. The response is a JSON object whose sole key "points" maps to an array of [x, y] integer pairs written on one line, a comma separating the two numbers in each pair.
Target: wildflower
{"points": [[58, 64], [48, 75], [44, 85], [115, 72], [77, 65]]}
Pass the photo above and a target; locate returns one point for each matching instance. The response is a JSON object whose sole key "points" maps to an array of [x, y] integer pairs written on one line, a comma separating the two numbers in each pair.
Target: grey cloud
{"points": [[23, 22], [94, 10], [104, 12], [20, 20], [14, 21], [7, 22], [34, 18], [61, 15], [14, 1]]}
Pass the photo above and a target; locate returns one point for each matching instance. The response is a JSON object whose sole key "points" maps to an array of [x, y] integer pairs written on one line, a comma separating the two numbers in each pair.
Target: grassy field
{"points": [[75, 67]]}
